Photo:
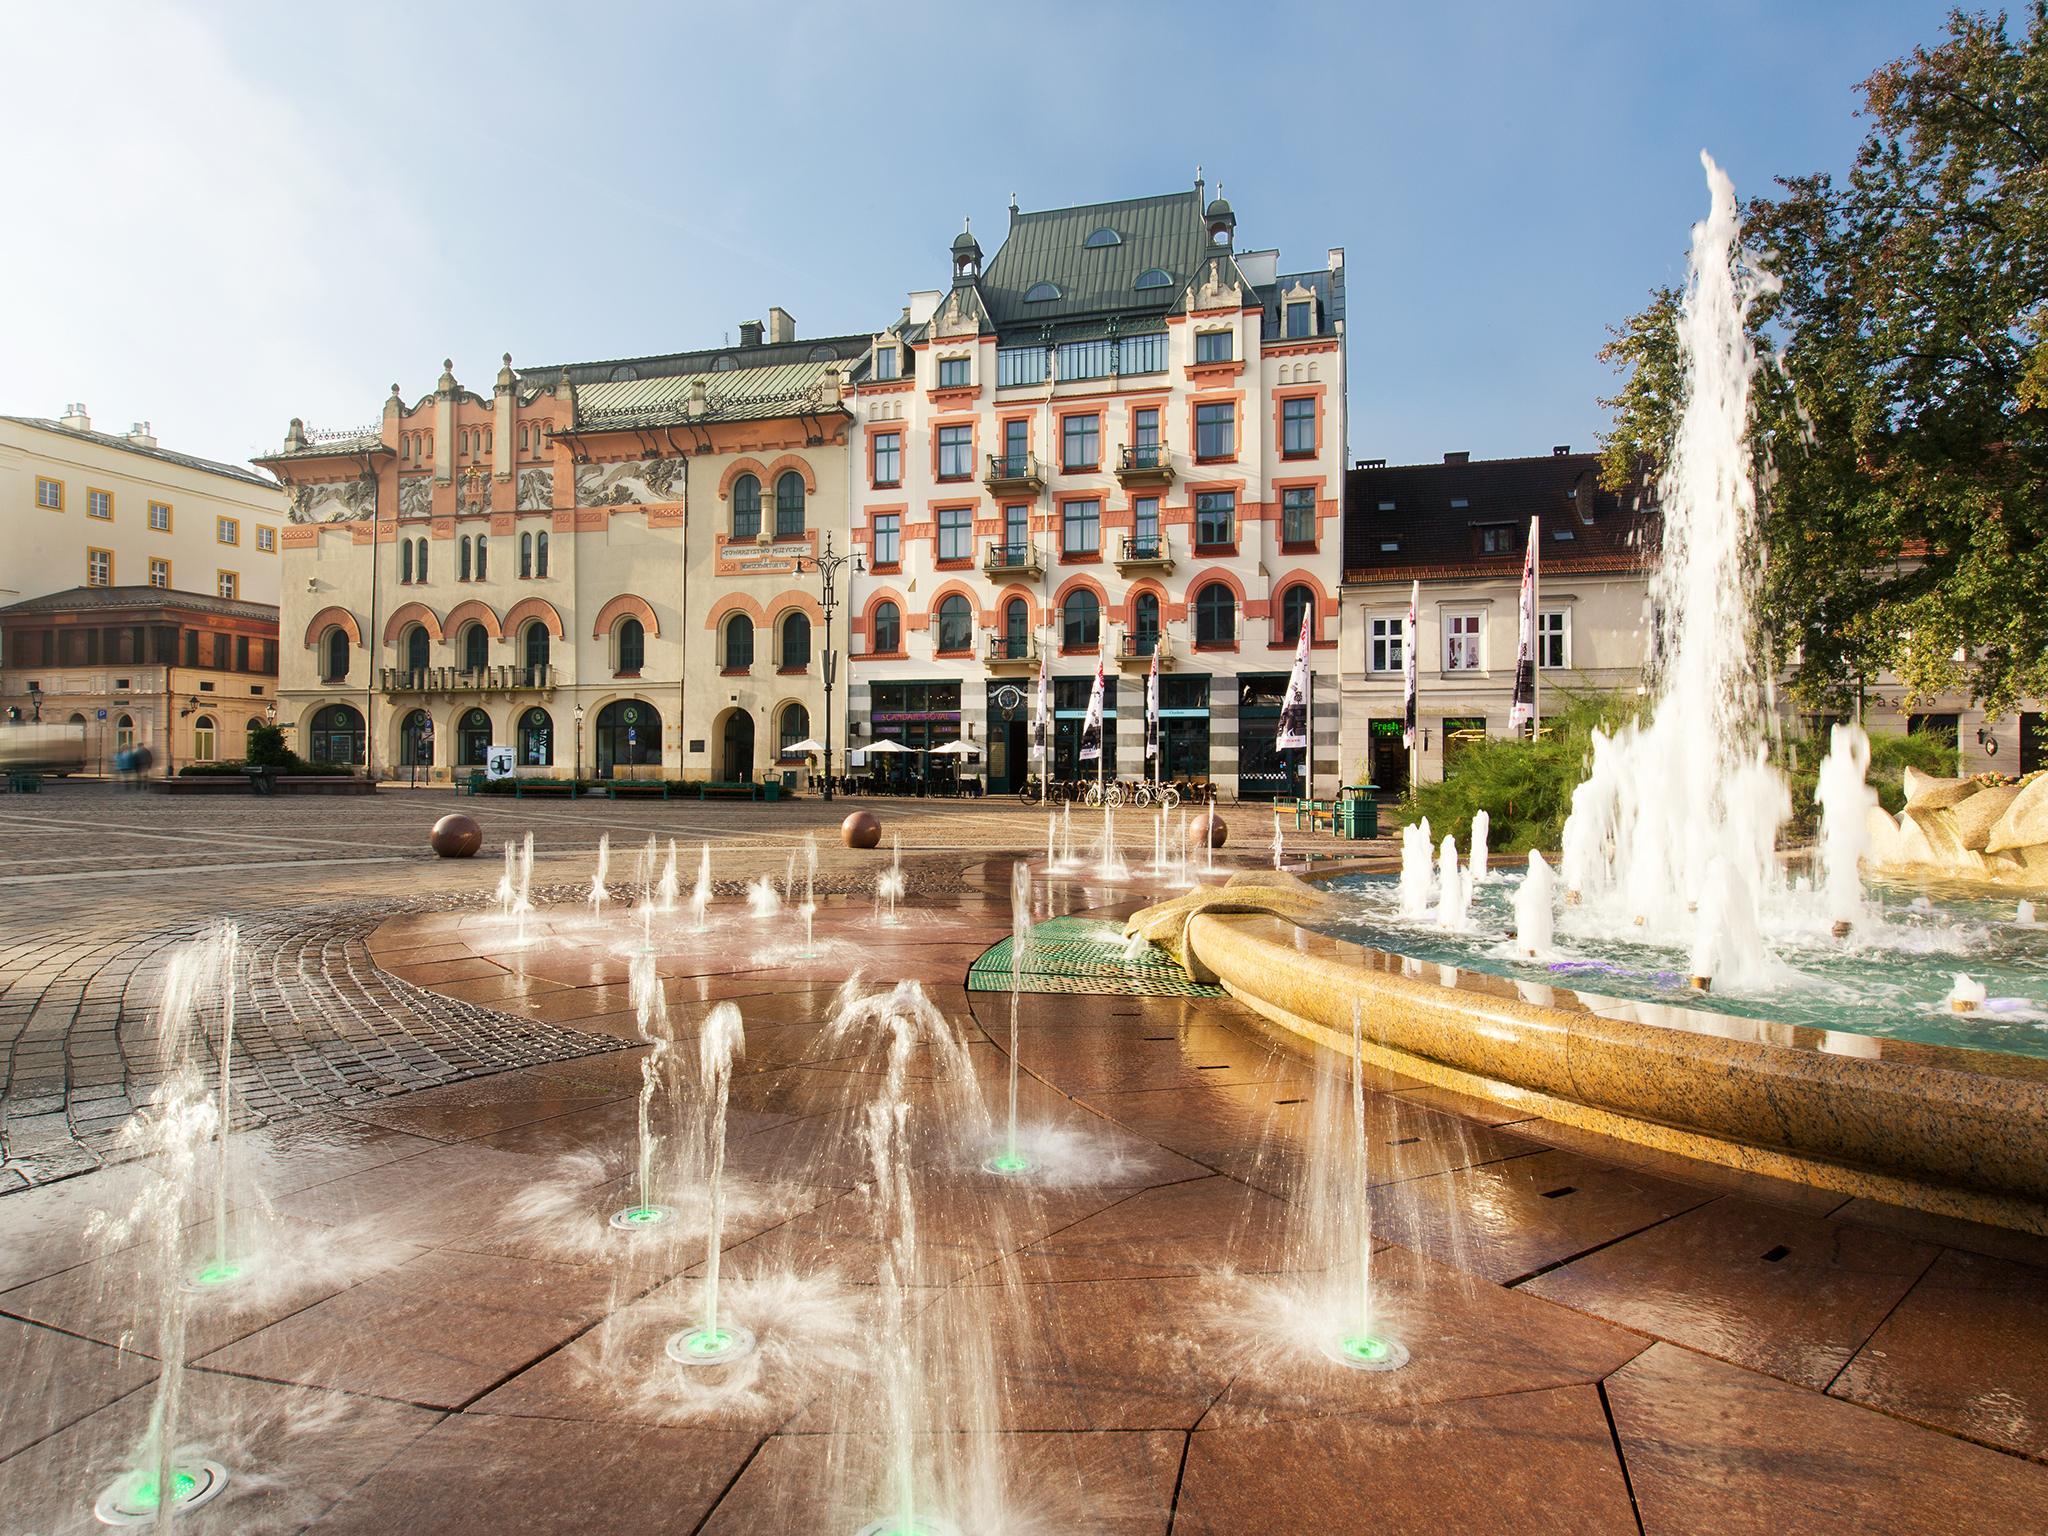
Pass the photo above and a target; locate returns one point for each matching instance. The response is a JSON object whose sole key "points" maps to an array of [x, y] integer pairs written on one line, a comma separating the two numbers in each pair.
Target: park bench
{"points": [[521, 788], [633, 787], [24, 781], [1314, 813], [733, 791]]}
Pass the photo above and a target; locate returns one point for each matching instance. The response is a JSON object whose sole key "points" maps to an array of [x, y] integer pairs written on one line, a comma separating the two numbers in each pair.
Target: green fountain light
{"points": [[1008, 1162], [132, 1499], [914, 1525], [220, 1272], [710, 1346], [1367, 1352], [635, 1218]]}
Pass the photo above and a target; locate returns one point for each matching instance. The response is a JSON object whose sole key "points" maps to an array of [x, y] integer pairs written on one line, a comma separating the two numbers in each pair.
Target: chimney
{"points": [[75, 419], [140, 435], [750, 333], [781, 324], [1561, 450], [1462, 456]]}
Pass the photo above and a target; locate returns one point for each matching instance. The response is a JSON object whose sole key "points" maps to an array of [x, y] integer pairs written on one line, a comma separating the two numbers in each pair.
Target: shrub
{"points": [[267, 749]]}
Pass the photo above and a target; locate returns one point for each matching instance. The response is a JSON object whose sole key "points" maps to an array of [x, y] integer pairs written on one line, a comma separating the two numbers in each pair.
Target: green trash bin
{"points": [[1358, 811]]}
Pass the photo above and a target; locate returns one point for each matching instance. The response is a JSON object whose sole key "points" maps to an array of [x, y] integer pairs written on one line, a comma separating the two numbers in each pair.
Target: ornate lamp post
{"points": [[828, 565], [578, 773]]}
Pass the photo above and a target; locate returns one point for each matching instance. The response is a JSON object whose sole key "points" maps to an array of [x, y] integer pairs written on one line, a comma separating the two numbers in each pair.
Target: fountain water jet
{"points": [[1533, 911], [1845, 801], [713, 1343], [650, 1014], [1010, 1160], [1415, 869], [1482, 825], [889, 883], [604, 864], [700, 894], [670, 886]]}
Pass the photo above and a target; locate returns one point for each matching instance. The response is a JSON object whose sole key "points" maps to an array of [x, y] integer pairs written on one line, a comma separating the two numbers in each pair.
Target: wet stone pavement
{"points": [[1603, 1338]]}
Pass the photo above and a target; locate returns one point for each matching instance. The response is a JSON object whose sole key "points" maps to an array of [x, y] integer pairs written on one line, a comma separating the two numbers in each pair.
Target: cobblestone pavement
{"points": [[98, 886]]}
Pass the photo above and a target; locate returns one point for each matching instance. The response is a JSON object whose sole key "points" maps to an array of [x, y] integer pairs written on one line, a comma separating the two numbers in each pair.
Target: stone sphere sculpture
{"points": [[1211, 827], [456, 836], [863, 829]]}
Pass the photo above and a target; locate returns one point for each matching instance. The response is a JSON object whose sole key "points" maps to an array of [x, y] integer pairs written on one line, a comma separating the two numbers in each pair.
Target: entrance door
{"points": [[1387, 760], [739, 748]]}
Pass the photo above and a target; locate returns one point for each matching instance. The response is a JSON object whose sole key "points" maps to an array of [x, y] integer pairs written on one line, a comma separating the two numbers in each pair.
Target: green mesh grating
{"points": [[1083, 954]]}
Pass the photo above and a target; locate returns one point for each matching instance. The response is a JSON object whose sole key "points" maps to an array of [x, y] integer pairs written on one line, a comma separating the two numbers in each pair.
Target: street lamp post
{"points": [[828, 565], [577, 774]]}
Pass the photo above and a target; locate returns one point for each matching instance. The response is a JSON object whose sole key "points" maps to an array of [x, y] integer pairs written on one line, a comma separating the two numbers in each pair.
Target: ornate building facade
{"points": [[599, 565], [1124, 435]]}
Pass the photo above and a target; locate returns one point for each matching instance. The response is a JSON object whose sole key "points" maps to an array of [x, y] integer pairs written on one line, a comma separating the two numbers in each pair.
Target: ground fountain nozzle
{"points": [[1841, 928], [1700, 983]]}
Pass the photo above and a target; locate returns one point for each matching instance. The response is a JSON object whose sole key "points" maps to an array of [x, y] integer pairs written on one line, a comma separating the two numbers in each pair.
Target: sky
{"points": [[221, 216]]}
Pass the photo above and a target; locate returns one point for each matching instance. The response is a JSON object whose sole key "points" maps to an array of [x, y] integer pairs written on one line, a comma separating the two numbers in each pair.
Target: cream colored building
{"points": [[85, 508], [604, 566]]}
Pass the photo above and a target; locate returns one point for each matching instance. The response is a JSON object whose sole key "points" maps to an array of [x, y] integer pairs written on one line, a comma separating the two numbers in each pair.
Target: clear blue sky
{"points": [[258, 211]]}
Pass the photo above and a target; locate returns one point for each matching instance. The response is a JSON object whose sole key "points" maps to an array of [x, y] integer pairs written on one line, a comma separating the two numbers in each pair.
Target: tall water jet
{"points": [[1279, 841], [808, 908], [889, 883], [1010, 1160], [650, 1016], [1534, 910], [1067, 833], [1845, 801], [670, 886], [645, 865], [1109, 860], [713, 1342], [171, 1134], [604, 864], [1415, 869], [1696, 808], [1450, 895], [700, 894], [1476, 855]]}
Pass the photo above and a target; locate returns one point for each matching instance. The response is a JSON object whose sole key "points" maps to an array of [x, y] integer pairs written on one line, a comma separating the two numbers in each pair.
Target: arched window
{"points": [[789, 505], [1016, 628], [1154, 277], [632, 647], [337, 735], [1215, 615], [1145, 623], [462, 558], [337, 655], [956, 624], [536, 652], [416, 740], [628, 734], [416, 648], [1103, 236], [405, 560], [476, 654], [473, 739], [124, 732], [202, 739], [888, 629], [1081, 621], [1297, 604], [482, 558], [420, 560], [746, 507], [796, 642], [525, 556], [540, 555], [536, 739], [739, 643], [793, 726], [1040, 293]]}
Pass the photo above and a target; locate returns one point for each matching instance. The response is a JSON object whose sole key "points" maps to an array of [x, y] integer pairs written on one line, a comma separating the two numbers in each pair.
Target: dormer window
{"points": [[1041, 293], [1300, 318], [724, 363], [888, 362], [1103, 236], [1154, 277], [1498, 539]]}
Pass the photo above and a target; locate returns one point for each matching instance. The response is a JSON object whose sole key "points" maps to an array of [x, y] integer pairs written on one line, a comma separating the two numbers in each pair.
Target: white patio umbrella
{"points": [[956, 749], [883, 746], [806, 745]]}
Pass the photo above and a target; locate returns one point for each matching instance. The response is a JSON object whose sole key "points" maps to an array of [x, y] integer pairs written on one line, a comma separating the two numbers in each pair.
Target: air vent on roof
{"points": [[1462, 456], [750, 333], [1561, 449]]}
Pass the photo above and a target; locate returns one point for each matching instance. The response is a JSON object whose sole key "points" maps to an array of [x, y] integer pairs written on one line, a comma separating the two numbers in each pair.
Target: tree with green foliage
{"points": [[1901, 423]]}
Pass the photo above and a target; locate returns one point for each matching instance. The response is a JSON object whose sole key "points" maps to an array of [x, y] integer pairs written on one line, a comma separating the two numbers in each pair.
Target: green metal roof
{"points": [[743, 394], [1164, 231]]}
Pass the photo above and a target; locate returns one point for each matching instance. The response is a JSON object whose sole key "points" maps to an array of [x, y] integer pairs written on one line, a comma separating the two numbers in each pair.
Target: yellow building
{"points": [[83, 508]]}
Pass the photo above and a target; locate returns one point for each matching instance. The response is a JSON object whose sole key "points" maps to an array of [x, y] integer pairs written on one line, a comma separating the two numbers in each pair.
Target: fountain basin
{"points": [[1960, 1132]]}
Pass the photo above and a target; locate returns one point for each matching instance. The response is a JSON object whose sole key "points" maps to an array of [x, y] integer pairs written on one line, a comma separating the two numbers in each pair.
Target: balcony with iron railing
{"points": [[501, 679], [1134, 649], [1011, 560], [1011, 653], [1143, 552], [1146, 464], [1011, 474]]}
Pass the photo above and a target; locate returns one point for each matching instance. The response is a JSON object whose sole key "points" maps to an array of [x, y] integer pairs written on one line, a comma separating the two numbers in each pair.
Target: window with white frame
{"points": [[1461, 642], [1388, 636], [1554, 638]]}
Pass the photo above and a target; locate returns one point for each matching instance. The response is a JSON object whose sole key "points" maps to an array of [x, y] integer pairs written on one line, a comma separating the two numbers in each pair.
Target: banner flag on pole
{"points": [[1408, 671], [1091, 726], [1523, 711], [1040, 715], [1294, 705], [1152, 709]]}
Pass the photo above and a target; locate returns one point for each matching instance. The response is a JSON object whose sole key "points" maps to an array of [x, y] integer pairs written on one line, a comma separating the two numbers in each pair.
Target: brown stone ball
{"points": [[863, 829], [456, 836], [1211, 826]]}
